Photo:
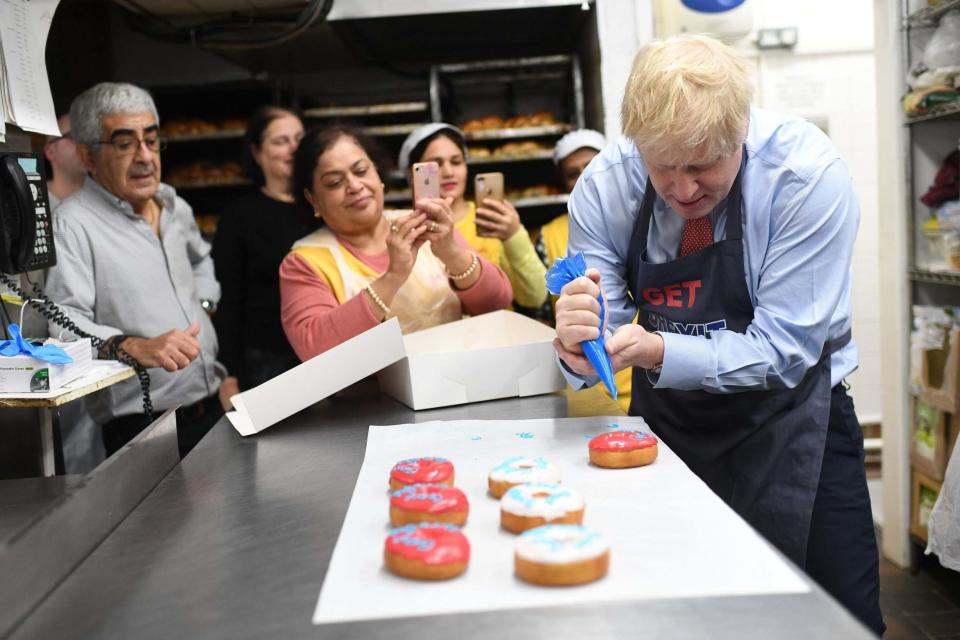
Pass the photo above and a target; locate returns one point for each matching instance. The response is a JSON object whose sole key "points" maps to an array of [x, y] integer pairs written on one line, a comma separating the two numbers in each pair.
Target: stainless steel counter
{"points": [[234, 543]]}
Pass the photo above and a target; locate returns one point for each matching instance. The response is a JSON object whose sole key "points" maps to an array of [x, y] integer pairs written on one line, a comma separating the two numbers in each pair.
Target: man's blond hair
{"points": [[687, 93]]}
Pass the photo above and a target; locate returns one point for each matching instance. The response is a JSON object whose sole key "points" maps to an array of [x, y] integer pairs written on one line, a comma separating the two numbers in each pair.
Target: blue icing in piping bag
{"points": [[565, 270], [18, 346]]}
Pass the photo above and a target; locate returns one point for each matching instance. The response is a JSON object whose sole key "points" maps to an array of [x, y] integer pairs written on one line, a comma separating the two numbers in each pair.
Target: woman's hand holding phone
{"points": [[439, 216], [497, 218]]}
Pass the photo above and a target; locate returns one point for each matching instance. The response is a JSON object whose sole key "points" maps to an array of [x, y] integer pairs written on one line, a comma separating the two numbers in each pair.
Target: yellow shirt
{"points": [[517, 257]]}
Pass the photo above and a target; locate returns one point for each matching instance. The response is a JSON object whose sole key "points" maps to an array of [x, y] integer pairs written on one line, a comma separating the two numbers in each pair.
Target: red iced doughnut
{"points": [[428, 503], [621, 449], [426, 470], [428, 551]]}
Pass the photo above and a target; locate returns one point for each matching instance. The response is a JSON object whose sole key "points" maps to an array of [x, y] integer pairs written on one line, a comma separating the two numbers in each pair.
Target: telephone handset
{"points": [[26, 233]]}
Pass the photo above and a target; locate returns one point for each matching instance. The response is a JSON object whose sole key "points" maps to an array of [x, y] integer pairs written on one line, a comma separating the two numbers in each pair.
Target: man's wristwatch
{"points": [[655, 369], [208, 305]]}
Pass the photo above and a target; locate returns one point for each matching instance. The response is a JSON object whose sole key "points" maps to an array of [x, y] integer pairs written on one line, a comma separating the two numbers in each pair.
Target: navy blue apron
{"points": [[760, 451]]}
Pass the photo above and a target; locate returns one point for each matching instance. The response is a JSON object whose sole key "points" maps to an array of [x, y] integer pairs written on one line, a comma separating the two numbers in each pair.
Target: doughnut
{"points": [[517, 470], [561, 554], [421, 471], [527, 506], [428, 503], [427, 551], [622, 449]]}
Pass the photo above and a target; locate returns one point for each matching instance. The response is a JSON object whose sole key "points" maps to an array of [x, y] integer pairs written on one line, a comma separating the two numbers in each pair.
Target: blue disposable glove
{"points": [[19, 347]]}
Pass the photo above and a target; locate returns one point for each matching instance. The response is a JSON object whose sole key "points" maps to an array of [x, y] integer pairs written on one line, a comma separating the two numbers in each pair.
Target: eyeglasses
{"points": [[127, 145]]}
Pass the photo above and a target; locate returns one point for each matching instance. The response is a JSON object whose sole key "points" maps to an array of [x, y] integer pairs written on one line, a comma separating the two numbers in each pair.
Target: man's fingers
{"points": [[578, 302], [621, 339], [168, 363], [582, 285], [578, 317], [577, 362], [593, 275], [576, 334]]}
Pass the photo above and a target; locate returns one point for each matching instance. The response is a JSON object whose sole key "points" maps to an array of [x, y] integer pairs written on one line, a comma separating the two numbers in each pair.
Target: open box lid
{"points": [[317, 378]]}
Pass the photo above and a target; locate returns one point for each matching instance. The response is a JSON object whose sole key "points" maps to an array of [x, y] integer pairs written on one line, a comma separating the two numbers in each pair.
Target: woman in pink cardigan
{"points": [[367, 265]]}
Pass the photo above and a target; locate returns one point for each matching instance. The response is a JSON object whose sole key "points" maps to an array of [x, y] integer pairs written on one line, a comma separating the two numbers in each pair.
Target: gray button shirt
{"points": [[115, 275]]}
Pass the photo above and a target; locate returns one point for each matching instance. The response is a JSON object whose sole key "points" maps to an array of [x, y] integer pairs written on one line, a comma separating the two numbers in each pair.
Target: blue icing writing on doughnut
{"points": [[412, 465], [530, 464], [524, 435], [555, 493], [406, 535], [558, 536], [418, 492], [613, 425]]}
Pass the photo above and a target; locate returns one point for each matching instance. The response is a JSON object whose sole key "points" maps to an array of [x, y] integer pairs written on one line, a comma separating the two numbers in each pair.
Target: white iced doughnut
{"points": [[526, 506], [560, 544], [519, 470], [561, 554], [541, 500]]}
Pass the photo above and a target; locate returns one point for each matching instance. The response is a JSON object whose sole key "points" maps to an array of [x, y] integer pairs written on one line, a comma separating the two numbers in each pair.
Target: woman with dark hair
{"points": [[255, 232], [491, 227], [367, 265]]}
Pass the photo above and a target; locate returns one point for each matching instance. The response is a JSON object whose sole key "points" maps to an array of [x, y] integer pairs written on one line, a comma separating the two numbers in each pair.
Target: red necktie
{"points": [[697, 234]]}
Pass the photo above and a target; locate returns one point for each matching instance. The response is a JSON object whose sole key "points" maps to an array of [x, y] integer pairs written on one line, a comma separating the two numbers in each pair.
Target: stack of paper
{"points": [[25, 98]]}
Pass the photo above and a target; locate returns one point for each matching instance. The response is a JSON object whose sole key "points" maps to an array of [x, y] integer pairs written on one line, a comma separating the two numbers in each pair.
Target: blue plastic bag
{"points": [[18, 346], [561, 272]]}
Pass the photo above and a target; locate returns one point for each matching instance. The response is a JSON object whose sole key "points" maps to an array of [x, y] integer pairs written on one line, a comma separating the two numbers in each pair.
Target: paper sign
{"points": [[317, 378]]}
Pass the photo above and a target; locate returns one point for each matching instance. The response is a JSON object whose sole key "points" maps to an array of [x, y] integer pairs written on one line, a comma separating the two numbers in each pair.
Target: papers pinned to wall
{"points": [[25, 97]]}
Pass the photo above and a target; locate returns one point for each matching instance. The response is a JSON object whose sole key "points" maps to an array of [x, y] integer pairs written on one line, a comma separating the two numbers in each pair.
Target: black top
{"points": [[255, 233]]}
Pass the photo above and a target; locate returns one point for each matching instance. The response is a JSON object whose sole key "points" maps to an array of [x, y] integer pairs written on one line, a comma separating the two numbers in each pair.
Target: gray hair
{"points": [[88, 108]]}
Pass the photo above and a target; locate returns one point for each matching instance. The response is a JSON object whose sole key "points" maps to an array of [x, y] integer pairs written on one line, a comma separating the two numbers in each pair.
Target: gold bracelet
{"points": [[474, 263], [378, 300]]}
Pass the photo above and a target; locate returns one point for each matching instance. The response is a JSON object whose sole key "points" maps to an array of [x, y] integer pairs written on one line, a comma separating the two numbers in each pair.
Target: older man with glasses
{"points": [[132, 269]]}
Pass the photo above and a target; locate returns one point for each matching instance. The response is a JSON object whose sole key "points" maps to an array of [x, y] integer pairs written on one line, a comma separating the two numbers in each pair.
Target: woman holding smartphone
{"points": [[492, 227], [254, 235], [367, 264]]}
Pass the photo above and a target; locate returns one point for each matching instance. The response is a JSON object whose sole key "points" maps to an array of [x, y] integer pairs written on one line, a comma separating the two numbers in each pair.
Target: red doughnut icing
{"points": [[429, 544], [422, 471], [430, 498], [622, 441]]}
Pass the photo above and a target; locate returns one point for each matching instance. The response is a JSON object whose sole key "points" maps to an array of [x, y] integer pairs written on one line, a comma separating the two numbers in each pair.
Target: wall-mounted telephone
{"points": [[26, 232]]}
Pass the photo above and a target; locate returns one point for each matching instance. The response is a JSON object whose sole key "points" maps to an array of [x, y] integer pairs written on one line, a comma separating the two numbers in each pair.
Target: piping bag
{"points": [[565, 270]]}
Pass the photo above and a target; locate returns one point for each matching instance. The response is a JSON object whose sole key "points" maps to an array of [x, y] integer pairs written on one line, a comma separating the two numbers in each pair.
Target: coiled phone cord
{"points": [[53, 313]]}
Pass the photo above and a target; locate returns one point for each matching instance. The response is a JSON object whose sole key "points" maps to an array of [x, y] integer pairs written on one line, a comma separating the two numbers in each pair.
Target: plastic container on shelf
{"points": [[946, 245]]}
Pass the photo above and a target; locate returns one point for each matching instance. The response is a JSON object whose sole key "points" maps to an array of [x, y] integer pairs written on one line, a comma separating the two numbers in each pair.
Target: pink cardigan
{"points": [[314, 321]]}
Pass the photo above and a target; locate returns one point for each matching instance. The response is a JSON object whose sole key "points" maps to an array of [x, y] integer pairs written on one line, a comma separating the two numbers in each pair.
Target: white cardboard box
{"points": [[496, 355], [24, 374]]}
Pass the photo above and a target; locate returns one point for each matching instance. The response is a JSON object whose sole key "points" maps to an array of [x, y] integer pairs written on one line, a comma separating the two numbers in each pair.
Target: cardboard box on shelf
{"points": [[25, 374], [940, 374], [496, 355], [933, 432], [925, 492]]}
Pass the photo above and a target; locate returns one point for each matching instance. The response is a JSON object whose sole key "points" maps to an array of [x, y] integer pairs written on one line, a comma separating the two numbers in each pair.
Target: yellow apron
{"points": [[425, 300]]}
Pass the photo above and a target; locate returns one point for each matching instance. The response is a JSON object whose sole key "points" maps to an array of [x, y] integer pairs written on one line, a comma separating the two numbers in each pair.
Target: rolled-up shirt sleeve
{"points": [[804, 272]]}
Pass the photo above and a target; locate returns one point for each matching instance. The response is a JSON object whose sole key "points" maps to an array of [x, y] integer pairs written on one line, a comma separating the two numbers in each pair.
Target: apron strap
{"points": [[830, 347], [733, 230]]}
